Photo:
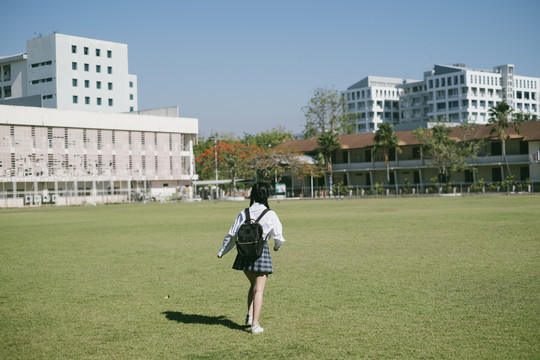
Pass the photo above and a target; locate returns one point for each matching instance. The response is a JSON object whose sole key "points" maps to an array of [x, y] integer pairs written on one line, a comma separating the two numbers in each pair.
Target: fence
{"points": [[463, 188]]}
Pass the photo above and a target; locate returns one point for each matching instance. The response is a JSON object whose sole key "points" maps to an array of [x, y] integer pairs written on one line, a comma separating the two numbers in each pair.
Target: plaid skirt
{"points": [[262, 264]]}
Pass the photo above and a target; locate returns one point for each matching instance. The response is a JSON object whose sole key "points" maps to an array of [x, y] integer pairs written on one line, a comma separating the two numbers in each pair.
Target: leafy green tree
{"points": [[269, 138], [385, 140], [328, 142], [448, 154], [326, 112], [501, 117], [525, 117], [326, 119]]}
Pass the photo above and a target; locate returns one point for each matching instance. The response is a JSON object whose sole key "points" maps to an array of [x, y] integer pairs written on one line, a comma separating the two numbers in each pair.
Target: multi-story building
{"points": [[71, 157], [70, 73], [373, 100], [356, 165], [456, 94], [71, 131]]}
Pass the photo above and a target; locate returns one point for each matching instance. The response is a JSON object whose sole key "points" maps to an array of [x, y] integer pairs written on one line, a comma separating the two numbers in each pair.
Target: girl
{"points": [[256, 271]]}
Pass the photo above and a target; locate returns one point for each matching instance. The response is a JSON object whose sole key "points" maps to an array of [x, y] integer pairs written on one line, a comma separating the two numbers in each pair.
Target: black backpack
{"points": [[249, 240]]}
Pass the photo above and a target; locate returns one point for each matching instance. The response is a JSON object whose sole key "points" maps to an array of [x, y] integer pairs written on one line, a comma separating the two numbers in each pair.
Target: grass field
{"points": [[400, 278]]}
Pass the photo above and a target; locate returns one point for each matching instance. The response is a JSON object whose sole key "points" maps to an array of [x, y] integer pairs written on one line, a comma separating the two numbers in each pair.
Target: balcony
{"points": [[422, 163]]}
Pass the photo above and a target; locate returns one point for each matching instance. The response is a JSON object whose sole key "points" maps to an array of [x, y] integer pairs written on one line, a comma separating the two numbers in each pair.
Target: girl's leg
{"points": [[251, 279], [258, 281]]}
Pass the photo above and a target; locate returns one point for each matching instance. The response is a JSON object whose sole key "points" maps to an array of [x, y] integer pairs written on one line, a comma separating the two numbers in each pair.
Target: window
{"points": [[109, 69], [98, 68], [130, 96], [431, 84], [131, 84], [436, 82], [109, 54], [496, 148], [86, 83], [110, 102], [416, 153], [98, 84], [74, 82], [110, 86], [75, 99], [87, 100], [98, 52], [462, 79], [99, 101], [73, 66], [443, 82], [85, 50], [86, 67], [73, 49], [7, 91]]}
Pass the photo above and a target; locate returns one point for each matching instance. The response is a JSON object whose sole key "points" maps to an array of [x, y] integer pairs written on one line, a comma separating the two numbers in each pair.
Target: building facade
{"points": [[373, 100], [66, 157], [355, 165], [69, 73], [457, 94]]}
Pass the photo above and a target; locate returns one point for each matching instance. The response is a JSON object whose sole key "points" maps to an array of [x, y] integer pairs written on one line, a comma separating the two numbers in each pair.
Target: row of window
{"points": [[74, 66], [525, 84], [75, 83], [44, 63], [388, 104], [86, 51], [99, 102], [447, 81], [40, 81], [363, 94]]}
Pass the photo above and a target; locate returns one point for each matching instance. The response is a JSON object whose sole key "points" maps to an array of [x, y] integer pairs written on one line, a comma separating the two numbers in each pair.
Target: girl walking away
{"points": [[256, 270]]}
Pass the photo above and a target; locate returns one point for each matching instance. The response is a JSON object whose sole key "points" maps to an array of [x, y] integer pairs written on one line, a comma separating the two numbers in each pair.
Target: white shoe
{"points": [[249, 320], [256, 329]]}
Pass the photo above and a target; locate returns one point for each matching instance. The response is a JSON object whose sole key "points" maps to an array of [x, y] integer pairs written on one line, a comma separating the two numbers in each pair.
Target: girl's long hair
{"points": [[260, 193]]}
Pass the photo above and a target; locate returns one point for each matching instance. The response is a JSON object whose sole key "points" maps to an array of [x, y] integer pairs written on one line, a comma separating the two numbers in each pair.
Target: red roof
{"points": [[529, 131]]}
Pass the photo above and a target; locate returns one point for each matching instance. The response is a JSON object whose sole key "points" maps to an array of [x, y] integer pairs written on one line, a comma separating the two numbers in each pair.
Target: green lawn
{"points": [[397, 278]]}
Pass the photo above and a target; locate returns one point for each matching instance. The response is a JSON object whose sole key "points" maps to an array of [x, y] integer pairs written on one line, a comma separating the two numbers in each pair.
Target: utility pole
{"points": [[216, 161]]}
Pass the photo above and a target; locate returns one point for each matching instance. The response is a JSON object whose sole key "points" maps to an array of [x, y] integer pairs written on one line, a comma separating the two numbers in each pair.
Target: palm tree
{"points": [[328, 142], [386, 139], [501, 116]]}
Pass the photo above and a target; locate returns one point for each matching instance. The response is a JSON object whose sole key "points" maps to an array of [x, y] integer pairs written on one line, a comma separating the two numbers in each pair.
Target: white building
{"points": [[374, 100], [453, 93], [70, 73], [71, 157]]}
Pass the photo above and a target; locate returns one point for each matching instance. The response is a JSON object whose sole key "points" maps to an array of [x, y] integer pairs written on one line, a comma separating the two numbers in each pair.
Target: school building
{"points": [[67, 157], [355, 165]]}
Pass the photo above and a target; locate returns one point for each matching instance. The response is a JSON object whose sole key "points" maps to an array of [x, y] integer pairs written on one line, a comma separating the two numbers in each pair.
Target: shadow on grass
{"points": [[203, 319]]}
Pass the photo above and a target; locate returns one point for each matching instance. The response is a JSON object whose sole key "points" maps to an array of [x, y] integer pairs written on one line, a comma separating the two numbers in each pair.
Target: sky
{"points": [[251, 66]]}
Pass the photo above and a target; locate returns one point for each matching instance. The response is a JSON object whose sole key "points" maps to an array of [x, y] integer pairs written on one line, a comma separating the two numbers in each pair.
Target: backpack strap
{"points": [[260, 216], [248, 218]]}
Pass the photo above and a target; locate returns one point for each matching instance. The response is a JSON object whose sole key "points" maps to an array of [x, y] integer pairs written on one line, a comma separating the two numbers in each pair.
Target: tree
{"points": [[501, 117], [386, 139], [269, 138], [326, 118], [326, 112], [328, 143], [447, 153], [234, 159]]}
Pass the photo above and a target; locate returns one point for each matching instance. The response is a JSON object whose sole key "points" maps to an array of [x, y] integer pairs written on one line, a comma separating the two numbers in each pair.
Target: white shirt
{"points": [[270, 223]]}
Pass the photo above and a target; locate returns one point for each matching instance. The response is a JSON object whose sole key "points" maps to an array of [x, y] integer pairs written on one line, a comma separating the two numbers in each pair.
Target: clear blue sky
{"points": [[249, 66]]}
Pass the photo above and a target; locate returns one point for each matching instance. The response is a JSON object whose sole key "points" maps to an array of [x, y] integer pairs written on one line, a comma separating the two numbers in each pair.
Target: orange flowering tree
{"points": [[234, 160]]}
